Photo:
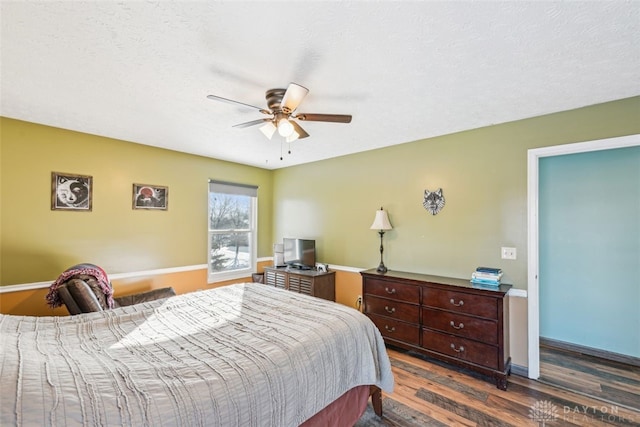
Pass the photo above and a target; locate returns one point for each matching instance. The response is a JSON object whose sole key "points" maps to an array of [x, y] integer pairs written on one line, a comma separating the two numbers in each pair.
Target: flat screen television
{"points": [[299, 253]]}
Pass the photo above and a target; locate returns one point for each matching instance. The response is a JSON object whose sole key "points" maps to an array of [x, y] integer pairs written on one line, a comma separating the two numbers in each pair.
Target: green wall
{"points": [[483, 174], [37, 243]]}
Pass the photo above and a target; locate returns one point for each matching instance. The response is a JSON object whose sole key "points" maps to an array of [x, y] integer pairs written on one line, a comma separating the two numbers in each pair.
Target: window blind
{"points": [[232, 188]]}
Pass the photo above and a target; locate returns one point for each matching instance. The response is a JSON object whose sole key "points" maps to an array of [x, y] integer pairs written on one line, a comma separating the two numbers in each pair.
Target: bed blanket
{"points": [[53, 297], [238, 355]]}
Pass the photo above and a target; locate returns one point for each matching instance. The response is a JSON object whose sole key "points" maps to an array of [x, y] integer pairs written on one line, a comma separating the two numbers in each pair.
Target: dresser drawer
{"points": [[389, 289], [392, 308], [476, 305], [482, 330], [397, 330], [461, 348]]}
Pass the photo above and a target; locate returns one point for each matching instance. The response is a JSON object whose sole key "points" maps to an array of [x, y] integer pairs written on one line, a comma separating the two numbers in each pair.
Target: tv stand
{"points": [[310, 282]]}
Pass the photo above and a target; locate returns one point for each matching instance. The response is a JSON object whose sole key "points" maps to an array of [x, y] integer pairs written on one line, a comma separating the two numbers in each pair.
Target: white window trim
{"points": [[241, 273]]}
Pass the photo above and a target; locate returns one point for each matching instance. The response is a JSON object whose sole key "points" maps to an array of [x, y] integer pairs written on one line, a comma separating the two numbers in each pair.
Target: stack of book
{"points": [[487, 276]]}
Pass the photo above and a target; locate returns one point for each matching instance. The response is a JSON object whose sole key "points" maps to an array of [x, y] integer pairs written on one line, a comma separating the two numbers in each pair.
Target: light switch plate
{"points": [[508, 253]]}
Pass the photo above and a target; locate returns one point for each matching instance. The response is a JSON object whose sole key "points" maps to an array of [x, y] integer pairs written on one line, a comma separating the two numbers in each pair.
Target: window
{"points": [[232, 230]]}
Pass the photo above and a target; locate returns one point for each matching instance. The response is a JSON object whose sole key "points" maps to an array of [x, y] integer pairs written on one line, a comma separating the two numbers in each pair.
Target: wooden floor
{"points": [[431, 393], [609, 381]]}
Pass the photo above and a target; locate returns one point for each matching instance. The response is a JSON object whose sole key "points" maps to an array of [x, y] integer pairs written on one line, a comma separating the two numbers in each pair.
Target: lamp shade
{"points": [[268, 129], [285, 128], [381, 221], [294, 135]]}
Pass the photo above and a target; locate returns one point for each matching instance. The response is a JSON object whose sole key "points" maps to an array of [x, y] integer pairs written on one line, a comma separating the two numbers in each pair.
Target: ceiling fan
{"points": [[282, 105]]}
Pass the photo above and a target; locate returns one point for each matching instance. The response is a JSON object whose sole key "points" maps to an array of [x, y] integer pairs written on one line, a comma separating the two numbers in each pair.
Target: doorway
{"points": [[533, 261]]}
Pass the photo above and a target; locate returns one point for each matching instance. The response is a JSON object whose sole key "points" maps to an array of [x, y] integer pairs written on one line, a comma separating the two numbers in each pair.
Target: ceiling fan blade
{"points": [[251, 123], [301, 132], [335, 118], [231, 101], [293, 97]]}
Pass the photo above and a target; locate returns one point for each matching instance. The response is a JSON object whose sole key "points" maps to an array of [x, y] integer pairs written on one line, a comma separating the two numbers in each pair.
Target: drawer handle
{"points": [[390, 329], [457, 350], [390, 291], [460, 304], [460, 326], [390, 310]]}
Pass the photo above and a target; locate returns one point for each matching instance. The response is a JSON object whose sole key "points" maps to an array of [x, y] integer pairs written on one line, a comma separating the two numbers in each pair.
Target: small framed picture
{"points": [[152, 197], [71, 192]]}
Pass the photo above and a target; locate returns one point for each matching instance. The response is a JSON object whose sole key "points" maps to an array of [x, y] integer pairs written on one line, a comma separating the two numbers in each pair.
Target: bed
{"points": [[238, 355]]}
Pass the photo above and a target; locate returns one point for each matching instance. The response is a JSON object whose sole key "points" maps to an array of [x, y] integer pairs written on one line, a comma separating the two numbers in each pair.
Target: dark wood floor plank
{"points": [[448, 381], [588, 358], [541, 391], [609, 371], [459, 408], [405, 392], [614, 394], [445, 395], [610, 381], [586, 384], [471, 403]]}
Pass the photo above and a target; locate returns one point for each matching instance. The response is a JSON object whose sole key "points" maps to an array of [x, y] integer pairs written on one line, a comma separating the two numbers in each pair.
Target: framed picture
{"points": [[71, 192], [147, 196]]}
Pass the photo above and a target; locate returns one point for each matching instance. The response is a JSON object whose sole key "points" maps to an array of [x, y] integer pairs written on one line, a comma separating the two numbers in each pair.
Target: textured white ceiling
{"points": [[406, 70]]}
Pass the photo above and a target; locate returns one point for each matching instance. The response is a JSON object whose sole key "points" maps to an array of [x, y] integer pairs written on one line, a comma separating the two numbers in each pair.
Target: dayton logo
{"points": [[543, 411]]}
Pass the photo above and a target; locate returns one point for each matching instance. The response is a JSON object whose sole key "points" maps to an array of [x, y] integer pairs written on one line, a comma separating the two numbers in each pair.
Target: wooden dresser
{"points": [[448, 319], [311, 282]]}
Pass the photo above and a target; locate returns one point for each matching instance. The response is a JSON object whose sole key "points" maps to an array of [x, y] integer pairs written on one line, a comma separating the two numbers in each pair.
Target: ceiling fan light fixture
{"points": [[282, 107], [268, 129], [293, 96], [285, 128], [294, 135]]}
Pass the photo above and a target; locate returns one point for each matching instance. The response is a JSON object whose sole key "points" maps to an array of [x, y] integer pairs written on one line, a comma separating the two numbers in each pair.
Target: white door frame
{"points": [[533, 157]]}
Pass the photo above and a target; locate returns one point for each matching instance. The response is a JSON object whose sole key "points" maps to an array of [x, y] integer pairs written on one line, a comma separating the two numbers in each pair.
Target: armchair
{"points": [[84, 288]]}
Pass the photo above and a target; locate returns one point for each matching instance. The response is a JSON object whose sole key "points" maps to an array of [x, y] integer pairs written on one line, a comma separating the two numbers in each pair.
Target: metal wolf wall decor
{"points": [[433, 201]]}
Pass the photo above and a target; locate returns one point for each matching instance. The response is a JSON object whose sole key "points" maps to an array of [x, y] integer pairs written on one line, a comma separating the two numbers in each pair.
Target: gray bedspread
{"points": [[239, 355]]}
